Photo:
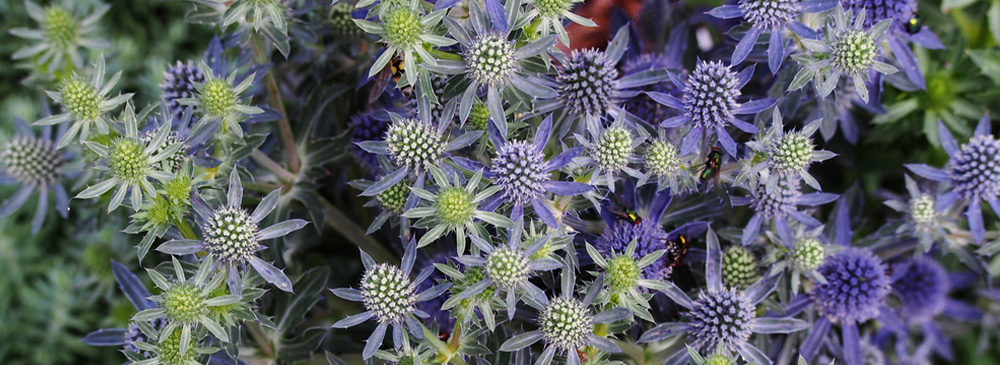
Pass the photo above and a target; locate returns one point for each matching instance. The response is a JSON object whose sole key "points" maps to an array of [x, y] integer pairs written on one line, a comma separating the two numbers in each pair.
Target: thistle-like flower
{"points": [[179, 82], [926, 218], [848, 49], [722, 317], [219, 98], [506, 270], [623, 276], [34, 163], [367, 126], [777, 204], [611, 150], [454, 208], [566, 323], [130, 162], [710, 104], [169, 348], [389, 296], [904, 28], [85, 104], [771, 17], [973, 172], [802, 260], [231, 235], [61, 35], [787, 154], [405, 29], [392, 202], [186, 305], [550, 14], [663, 162], [739, 267]]}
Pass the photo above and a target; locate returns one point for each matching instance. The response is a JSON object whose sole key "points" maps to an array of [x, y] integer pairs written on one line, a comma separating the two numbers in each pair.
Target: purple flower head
{"points": [[178, 83], [366, 126], [649, 237], [899, 11], [710, 104], [973, 172], [922, 286], [777, 203], [770, 16], [587, 82], [855, 289], [721, 318]]}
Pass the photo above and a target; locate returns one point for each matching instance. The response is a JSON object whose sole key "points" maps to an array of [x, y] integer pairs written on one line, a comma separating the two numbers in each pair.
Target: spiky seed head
{"points": [[662, 158], [178, 83], [721, 318], [178, 190], [407, 359], [769, 14], [975, 168], [231, 236], [81, 100], [739, 267], [921, 209], [402, 28], [710, 95], [507, 266], [613, 149], [183, 303], [565, 323], [900, 11], [854, 51], [454, 206], [781, 202], [127, 160], [60, 27], [856, 286], [479, 116], [169, 349], [623, 273], [490, 60], [587, 82], [552, 8], [388, 293], [394, 199], [520, 171], [808, 254], [218, 98], [31, 161], [341, 18], [922, 289], [792, 153], [413, 143]]}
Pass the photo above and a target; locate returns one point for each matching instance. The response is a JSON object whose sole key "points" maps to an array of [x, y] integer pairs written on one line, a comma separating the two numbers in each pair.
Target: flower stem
{"points": [[186, 230], [284, 127], [269, 164], [350, 230]]}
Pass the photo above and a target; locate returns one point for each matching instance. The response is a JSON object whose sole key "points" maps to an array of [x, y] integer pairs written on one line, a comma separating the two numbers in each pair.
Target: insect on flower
{"points": [[625, 212], [394, 70]]}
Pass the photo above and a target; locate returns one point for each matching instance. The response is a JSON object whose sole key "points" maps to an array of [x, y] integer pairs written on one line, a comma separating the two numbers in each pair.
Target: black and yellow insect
{"points": [[913, 25], [394, 71], [676, 251], [712, 166]]}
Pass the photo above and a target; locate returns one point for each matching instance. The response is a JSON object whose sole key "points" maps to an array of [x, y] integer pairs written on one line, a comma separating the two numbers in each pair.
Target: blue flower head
{"points": [[922, 286], [367, 126], [178, 83], [34, 163], [587, 82], [770, 16], [973, 172], [855, 289], [778, 202], [649, 238]]}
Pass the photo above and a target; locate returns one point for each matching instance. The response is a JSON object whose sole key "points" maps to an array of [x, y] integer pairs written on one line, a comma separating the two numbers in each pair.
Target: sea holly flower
{"points": [[623, 277], [848, 49], [263, 17], [61, 35], [220, 99], [710, 104], [525, 177], [170, 206], [179, 82], [777, 204], [611, 150], [663, 163], [493, 62], [904, 28], [391, 202], [34, 163], [232, 235], [722, 317], [186, 305], [787, 154], [547, 16], [454, 208], [771, 17], [739, 267], [162, 347], [390, 296], [566, 323], [85, 104], [972, 171], [854, 292], [405, 29], [925, 218], [808, 251], [506, 270], [131, 162]]}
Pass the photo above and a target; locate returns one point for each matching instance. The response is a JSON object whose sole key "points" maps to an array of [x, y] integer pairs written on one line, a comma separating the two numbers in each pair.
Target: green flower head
{"points": [[61, 36], [220, 99], [85, 103]]}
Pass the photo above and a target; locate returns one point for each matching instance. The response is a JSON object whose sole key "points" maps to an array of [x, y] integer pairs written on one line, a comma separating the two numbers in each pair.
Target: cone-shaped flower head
{"points": [[975, 168], [898, 11], [808, 254], [490, 59], [776, 203], [412, 144], [219, 98], [85, 103], [739, 267], [32, 161], [710, 95], [769, 14], [60, 36], [394, 198], [402, 27], [662, 158], [587, 82], [721, 318], [565, 323], [179, 82], [388, 293], [921, 209], [854, 51], [231, 235], [507, 266], [856, 286], [520, 170]]}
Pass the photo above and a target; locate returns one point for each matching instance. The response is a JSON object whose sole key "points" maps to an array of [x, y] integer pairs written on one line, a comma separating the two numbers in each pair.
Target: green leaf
{"points": [[988, 60]]}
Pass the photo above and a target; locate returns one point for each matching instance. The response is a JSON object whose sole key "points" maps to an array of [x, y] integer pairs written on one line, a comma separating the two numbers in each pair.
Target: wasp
{"points": [[625, 212], [913, 25], [394, 70], [676, 250]]}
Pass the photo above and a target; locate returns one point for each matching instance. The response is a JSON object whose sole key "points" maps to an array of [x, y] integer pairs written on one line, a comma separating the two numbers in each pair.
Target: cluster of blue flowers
{"points": [[528, 201]]}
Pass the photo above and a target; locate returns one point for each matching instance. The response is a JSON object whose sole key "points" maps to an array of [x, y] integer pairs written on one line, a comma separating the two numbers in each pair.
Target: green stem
{"points": [[269, 164], [341, 223], [284, 127], [186, 230]]}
